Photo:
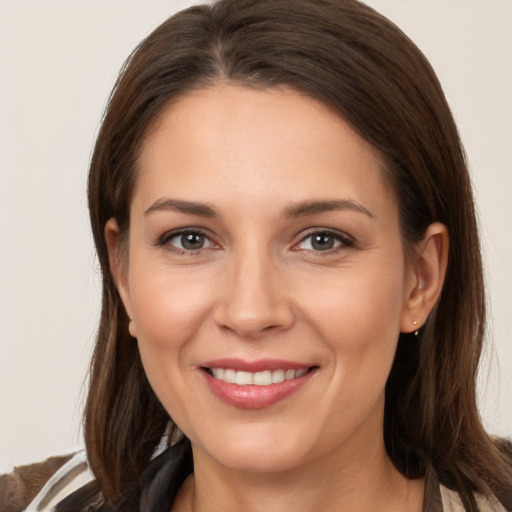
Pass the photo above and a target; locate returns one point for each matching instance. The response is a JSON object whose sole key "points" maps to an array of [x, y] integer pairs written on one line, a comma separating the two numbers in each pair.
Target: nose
{"points": [[253, 297]]}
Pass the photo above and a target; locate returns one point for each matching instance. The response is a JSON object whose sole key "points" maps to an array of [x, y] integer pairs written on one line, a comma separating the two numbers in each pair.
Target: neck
{"points": [[364, 479]]}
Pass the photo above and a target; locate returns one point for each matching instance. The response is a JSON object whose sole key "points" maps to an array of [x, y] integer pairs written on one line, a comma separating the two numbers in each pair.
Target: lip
{"points": [[255, 366], [253, 396]]}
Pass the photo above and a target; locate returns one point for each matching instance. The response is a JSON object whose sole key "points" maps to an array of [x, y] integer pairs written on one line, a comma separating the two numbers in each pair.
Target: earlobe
{"points": [[118, 266], [427, 274]]}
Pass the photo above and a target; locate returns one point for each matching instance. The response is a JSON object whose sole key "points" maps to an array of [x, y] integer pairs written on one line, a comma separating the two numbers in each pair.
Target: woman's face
{"points": [[265, 277]]}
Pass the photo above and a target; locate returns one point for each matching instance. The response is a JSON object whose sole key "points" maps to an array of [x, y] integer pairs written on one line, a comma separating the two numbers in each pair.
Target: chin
{"points": [[254, 460], [255, 450]]}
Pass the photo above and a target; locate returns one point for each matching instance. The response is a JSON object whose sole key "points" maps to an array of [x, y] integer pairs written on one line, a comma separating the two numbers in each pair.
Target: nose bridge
{"points": [[253, 298]]}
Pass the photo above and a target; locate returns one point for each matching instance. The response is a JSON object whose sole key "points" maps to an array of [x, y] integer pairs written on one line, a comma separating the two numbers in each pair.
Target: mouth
{"points": [[255, 385], [261, 378]]}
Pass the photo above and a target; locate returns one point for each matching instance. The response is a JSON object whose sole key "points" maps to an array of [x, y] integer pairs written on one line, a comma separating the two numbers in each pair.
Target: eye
{"points": [[187, 241], [324, 241]]}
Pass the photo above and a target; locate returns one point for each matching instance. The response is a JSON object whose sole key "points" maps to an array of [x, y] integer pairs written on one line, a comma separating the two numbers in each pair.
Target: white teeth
{"points": [[218, 373], [277, 376], [243, 378], [229, 376], [264, 378], [290, 374]]}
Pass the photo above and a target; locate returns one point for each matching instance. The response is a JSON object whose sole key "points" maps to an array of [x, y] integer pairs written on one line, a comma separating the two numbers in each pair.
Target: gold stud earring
{"points": [[415, 325]]}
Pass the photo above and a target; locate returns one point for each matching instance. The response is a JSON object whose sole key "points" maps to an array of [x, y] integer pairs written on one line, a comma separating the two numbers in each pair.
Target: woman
{"points": [[284, 220]]}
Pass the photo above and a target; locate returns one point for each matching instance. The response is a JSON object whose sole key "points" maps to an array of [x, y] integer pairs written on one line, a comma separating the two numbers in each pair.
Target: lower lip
{"points": [[255, 397]]}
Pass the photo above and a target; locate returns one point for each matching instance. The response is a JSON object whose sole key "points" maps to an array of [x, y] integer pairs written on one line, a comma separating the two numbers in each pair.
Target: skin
{"points": [[259, 288]]}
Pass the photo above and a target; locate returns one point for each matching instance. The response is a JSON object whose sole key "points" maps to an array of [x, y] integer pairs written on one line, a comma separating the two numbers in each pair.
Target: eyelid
{"points": [[164, 239], [345, 240]]}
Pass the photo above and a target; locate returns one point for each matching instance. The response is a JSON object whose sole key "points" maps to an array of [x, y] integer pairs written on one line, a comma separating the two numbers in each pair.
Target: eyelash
{"points": [[164, 241], [343, 241]]}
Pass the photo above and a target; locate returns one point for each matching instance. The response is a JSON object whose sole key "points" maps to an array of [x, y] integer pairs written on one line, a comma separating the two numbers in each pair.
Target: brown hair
{"points": [[363, 67]]}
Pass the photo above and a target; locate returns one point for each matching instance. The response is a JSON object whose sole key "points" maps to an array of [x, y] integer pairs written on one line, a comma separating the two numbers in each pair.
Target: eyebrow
{"points": [[314, 207], [190, 207], [301, 209]]}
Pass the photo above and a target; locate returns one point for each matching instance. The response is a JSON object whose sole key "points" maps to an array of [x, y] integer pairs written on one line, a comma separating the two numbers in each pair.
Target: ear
{"points": [[118, 268], [427, 270]]}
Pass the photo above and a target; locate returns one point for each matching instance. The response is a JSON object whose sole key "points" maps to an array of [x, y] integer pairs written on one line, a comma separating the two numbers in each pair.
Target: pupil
{"points": [[192, 241], [323, 242]]}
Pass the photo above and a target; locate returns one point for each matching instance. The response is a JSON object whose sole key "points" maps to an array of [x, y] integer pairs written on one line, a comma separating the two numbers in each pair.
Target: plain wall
{"points": [[58, 62]]}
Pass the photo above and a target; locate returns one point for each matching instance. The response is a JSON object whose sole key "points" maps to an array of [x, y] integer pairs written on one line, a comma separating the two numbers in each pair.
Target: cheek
{"points": [[357, 306], [168, 311], [358, 319], [166, 306]]}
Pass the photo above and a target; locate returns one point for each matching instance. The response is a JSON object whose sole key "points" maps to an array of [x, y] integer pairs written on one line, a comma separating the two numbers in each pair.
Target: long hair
{"points": [[366, 70]]}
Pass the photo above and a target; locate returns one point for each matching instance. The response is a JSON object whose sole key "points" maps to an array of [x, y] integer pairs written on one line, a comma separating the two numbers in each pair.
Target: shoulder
{"points": [[39, 487], [452, 502]]}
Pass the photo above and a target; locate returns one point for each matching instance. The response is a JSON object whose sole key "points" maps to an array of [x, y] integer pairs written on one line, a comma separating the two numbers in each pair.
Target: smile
{"points": [[263, 378], [258, 384]]}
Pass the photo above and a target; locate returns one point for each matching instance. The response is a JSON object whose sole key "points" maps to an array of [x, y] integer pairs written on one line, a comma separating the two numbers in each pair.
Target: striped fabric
{"points": [[75, 473]]}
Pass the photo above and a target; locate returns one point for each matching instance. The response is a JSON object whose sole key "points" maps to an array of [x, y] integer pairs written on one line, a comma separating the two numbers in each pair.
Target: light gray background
{"points": [[58, 62]]}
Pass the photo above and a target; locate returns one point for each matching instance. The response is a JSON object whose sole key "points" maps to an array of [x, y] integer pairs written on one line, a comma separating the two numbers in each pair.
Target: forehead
{"points": [[272, 143]]}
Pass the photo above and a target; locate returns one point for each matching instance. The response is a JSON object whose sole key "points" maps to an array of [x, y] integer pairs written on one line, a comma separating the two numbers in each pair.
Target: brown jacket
{"points": [[38, 487]]}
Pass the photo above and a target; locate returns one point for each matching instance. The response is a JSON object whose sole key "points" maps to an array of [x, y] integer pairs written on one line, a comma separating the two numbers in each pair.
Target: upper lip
{"points": [[259, 365]]}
